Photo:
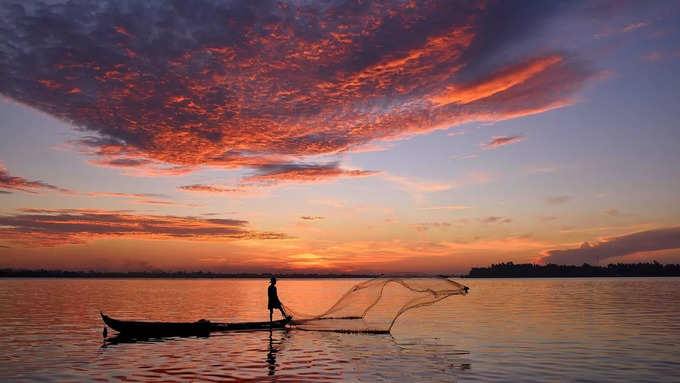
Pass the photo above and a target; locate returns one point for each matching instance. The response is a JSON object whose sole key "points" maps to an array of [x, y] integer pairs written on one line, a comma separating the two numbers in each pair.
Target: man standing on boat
{"points": [[274, 302]]}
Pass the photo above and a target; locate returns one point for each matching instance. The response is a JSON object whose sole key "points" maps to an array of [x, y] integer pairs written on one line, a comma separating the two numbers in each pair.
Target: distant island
{"points": [[528, 270], [14, 273]]}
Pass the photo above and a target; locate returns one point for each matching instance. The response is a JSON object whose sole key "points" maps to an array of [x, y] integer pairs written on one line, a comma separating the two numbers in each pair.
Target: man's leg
{"points": [[271, 312]]}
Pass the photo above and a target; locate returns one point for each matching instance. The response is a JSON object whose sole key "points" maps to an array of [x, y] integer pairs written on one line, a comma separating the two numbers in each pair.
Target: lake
{"points": [[591, 329]]}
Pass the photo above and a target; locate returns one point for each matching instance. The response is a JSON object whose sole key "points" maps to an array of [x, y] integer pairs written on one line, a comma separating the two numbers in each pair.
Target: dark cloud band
{"points": [[13, 183], [650, 240], [41, 227]]}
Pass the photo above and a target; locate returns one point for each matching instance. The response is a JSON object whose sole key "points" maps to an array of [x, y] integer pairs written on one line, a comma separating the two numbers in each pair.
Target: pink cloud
{"points": [[273, 174], [286, 84], [425, 226], [634, 26], [311, 218], [446, 207], [498, 141], [54, 227], [164, 203], [628, 28], [198, 188], [464, 156], [13, 183], [495, 219]]}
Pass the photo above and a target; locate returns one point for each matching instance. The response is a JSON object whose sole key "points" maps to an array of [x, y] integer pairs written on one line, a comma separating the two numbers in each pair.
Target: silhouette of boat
{"points": [[199, 328]]}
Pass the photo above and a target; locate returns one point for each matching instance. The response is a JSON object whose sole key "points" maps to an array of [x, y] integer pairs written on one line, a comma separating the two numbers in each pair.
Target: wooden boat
{"points": [[199, 328]]}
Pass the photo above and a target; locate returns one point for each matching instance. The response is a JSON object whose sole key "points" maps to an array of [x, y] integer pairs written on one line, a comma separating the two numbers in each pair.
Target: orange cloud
{"points": [[164, 203], [419, 185], [137, 198], [494, 219], [14, 183], [430, 225], [272, 175], [446, 207], [53, 227], [498, 141], [496, 83], [197, 188], [142, 167], [311, 218], [122, 195], [464, 156], [302, 173], [285, 84]]}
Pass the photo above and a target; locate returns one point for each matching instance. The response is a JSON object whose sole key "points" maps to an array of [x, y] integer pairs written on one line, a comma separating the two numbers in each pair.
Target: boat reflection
{"points": [[122, 338], [274, 342]]}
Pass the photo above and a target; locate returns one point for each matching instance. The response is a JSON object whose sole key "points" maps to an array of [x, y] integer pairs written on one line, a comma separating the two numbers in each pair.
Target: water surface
{"points": [[624, 329]]}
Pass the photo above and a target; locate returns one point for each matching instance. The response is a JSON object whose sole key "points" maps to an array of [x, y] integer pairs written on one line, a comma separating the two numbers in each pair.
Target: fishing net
{"points": [[373, 306]]}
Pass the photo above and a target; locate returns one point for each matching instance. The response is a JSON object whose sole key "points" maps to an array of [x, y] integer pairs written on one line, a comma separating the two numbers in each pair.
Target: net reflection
{"points": [[122, 339]]}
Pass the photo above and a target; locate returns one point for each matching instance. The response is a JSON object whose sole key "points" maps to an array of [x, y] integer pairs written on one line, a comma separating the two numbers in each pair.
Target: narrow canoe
{"points": [[198, 328]]}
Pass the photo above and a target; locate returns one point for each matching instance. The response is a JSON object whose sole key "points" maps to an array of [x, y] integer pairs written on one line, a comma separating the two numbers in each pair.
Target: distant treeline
{"points": [[511, 270], [12, 273]]}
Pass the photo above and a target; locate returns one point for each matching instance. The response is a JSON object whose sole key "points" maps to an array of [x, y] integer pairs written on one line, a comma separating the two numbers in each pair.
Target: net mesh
{"points": [[373, 306]]}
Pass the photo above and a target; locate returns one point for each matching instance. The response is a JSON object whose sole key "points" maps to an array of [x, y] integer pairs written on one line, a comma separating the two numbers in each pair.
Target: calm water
{"points": [[504, 330]]}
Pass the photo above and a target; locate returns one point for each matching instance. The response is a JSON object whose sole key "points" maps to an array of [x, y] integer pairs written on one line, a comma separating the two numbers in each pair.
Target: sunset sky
{"points": [[338, 136]]}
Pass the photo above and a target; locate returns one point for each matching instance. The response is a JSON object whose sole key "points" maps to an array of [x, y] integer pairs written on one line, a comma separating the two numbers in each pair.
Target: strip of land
{"points": [[500, 270], [14, 273], [528, 270]]}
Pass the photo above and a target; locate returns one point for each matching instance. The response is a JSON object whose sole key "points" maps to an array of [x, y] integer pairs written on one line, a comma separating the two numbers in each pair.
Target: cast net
{"points": [[373, 306]]}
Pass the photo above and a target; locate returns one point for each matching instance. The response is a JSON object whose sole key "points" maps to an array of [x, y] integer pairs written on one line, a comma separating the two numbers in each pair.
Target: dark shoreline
{"points": [[500, 270], [12, 273], [528, 270]]}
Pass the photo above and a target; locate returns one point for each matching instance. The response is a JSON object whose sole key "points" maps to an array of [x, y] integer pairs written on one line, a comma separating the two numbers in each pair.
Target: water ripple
{"points": [[505, 330]]}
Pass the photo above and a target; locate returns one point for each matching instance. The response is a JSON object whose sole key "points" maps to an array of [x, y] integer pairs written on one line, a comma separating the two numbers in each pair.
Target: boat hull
{"points": [[198, 328]]}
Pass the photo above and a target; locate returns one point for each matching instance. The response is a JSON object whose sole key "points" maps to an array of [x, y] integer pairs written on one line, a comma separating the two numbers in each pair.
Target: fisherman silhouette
{"points": [[274, 302]]}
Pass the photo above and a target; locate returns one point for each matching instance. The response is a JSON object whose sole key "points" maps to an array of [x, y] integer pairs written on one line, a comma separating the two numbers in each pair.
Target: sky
{"points": [[338, 136]]}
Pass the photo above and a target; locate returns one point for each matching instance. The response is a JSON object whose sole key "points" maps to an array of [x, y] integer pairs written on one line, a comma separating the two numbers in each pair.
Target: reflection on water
{"points": [[274, 347], [505, 330]]}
